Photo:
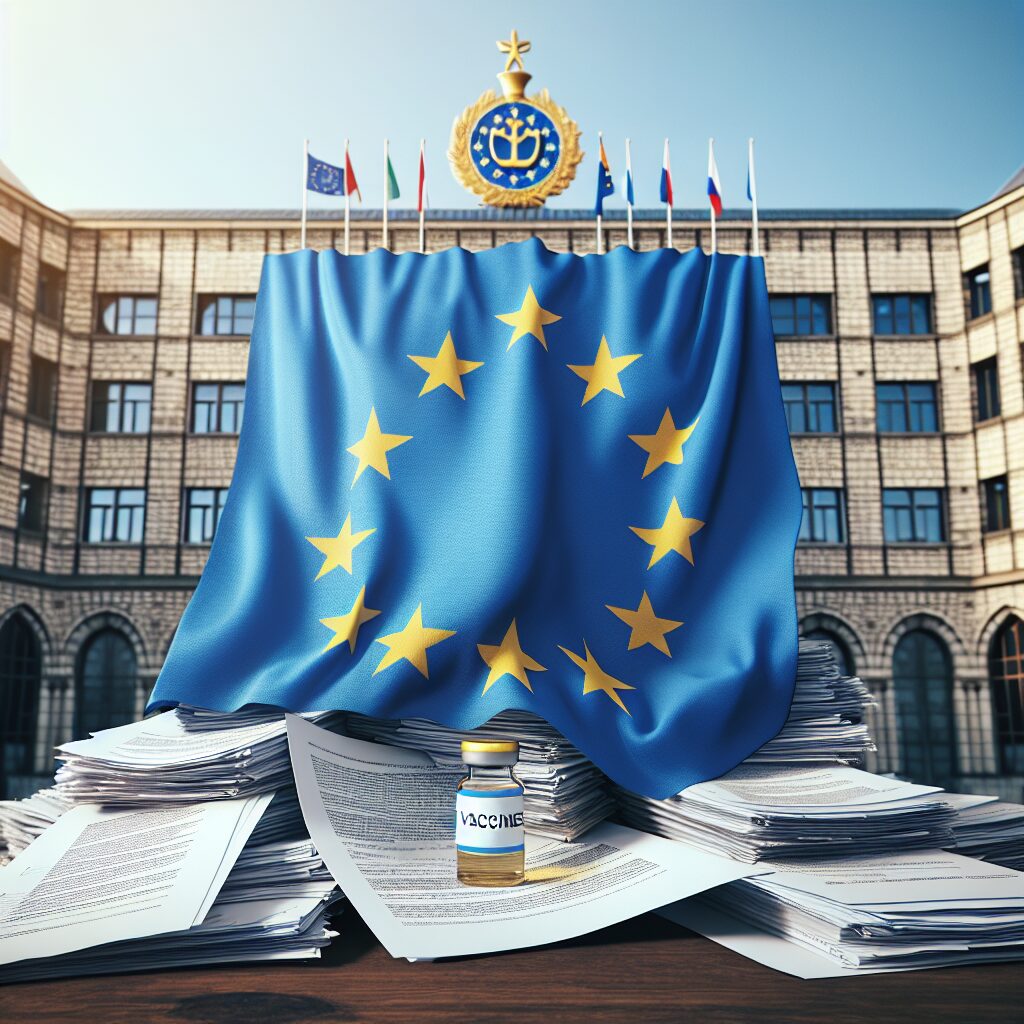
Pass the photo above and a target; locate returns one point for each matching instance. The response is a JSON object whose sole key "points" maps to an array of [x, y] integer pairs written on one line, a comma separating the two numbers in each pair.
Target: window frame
{"points": [[811, 297], [10, 270], [908, 405], [217, 405], [211, 512], [117, 506], [807, 497], [210, 303], [895, 299], [971, 292], [1004, 521], [122, 404], [993, 404], [914, 508], [119, 299], [37, 364], [811, 407], [49, 308], [42, 502], [1017, 260]]}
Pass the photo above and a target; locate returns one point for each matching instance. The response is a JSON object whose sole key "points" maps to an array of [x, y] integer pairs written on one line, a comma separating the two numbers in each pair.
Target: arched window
{"points": [[844, 660], [105, 683], [1006, 672], [20, 678], [922, 675]]}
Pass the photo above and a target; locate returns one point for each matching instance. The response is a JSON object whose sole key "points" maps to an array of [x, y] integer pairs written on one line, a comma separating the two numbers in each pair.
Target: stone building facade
{"points": [[123, 348]]}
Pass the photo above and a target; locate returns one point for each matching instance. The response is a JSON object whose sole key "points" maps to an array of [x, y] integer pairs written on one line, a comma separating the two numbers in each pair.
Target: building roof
{"points": [[8, 176], [543, 214], [1015, 182]]}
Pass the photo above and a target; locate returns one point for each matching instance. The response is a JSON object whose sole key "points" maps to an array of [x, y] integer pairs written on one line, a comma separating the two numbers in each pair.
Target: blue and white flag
{"points": [[518, 479], [324, 178]]}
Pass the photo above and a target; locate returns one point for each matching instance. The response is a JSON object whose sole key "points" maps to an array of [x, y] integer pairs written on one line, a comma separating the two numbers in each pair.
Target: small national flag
{"points": [[422, 201], [627, 181], [351, 185], [605, 184], [323, 177], [751, 180], [714, 184], [393, 192], [666, 177]]}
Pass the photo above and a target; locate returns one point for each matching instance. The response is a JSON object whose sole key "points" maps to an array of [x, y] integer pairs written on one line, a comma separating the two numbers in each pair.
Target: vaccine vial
{"points": [[489, 839]]}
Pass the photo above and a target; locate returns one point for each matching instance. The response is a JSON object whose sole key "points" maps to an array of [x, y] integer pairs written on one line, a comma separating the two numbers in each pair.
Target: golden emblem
{"points": [[515, 150]]}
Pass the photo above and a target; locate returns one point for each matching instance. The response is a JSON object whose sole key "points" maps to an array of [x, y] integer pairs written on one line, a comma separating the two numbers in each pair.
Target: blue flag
{"points": [[605, 184], [324, 177], [469, 482]]}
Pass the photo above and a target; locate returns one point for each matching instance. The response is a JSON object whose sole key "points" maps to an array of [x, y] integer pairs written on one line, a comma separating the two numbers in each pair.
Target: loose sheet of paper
{"points": [[383, 820], [98, 876]]}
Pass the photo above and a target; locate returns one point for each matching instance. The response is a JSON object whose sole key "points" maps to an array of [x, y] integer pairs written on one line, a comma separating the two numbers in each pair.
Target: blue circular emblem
{"points": [[515, 145]]}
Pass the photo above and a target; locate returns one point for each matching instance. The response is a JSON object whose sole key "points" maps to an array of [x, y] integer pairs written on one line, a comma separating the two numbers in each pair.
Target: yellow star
{"points": [[508, 659], [373, 447], [346, 627], [595, 678], [664, 446], [445, 368], [411, 643], [530, 318], [338, 550], [646, 627], [603, 373], [673, 535]]}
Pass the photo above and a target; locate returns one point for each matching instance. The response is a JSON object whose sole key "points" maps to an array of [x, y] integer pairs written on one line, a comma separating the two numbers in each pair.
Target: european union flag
{"points": [[511, 479], [324, 177]]}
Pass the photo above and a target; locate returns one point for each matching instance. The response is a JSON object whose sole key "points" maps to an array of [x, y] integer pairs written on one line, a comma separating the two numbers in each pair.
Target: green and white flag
{"points": [[392, 190]]}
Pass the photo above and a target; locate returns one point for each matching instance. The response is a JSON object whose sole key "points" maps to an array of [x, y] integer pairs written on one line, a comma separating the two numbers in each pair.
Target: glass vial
{"points": [[489, 840]]}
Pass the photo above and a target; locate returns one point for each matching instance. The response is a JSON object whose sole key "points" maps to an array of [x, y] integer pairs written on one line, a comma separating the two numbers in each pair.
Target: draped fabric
{"points": [[468, 482]]}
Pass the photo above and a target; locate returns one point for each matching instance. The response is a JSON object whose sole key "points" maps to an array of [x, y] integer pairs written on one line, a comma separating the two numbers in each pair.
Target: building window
{"points": [[5, 366], [986, 389], [844, 660], [120, 407], [906, 408], [50, 292], [913, 515], [997, 504], [978, 285], [810, 408], [798, 315], [42, 386], [902, 314], [203, 506], [128, 314], [32, 502], [8, 270], [105, 683], [217, 408], [115, 515], [1006, 675], [21, 667], [226, 314], [823, 521], [922, 675], [1017, 257]]}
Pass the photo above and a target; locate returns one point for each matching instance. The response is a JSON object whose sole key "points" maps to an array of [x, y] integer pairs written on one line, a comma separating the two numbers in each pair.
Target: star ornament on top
{"points": [[508, 659], [603, 373], [531, 318], [445, 369]]}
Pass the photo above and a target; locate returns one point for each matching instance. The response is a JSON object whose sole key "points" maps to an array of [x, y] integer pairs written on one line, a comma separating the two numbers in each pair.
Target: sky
{"points": [[145, 104]]}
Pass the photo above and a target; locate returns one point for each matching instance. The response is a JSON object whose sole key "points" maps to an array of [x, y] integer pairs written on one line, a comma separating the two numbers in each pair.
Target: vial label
{"points": [[489, 820]]}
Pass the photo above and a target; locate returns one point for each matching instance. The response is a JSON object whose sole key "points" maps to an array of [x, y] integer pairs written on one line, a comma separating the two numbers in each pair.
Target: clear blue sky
{"points": [[204, 103]]}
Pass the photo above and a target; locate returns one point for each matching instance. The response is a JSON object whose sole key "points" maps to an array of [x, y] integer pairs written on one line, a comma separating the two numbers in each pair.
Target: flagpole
{"points": [[422, 199], [600, 247], [714, 236], [629, 205], [387, 191], [752, 189], [347, 198], [305, 192], [668, 202]]}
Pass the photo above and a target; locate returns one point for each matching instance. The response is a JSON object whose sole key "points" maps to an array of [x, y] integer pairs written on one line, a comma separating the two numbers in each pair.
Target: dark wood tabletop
{"points": [[645, 971]]}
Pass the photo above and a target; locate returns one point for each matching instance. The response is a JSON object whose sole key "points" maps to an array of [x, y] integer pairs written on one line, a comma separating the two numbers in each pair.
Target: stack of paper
{"points": [[756, 812], [22, 820], [565, 794], [898, 912], [182, 755], [103, 891], [826, 717], [991, 830]]}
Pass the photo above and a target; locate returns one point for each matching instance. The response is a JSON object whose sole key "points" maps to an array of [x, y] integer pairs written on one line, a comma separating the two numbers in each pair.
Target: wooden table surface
{"points": [[644, 971]]}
